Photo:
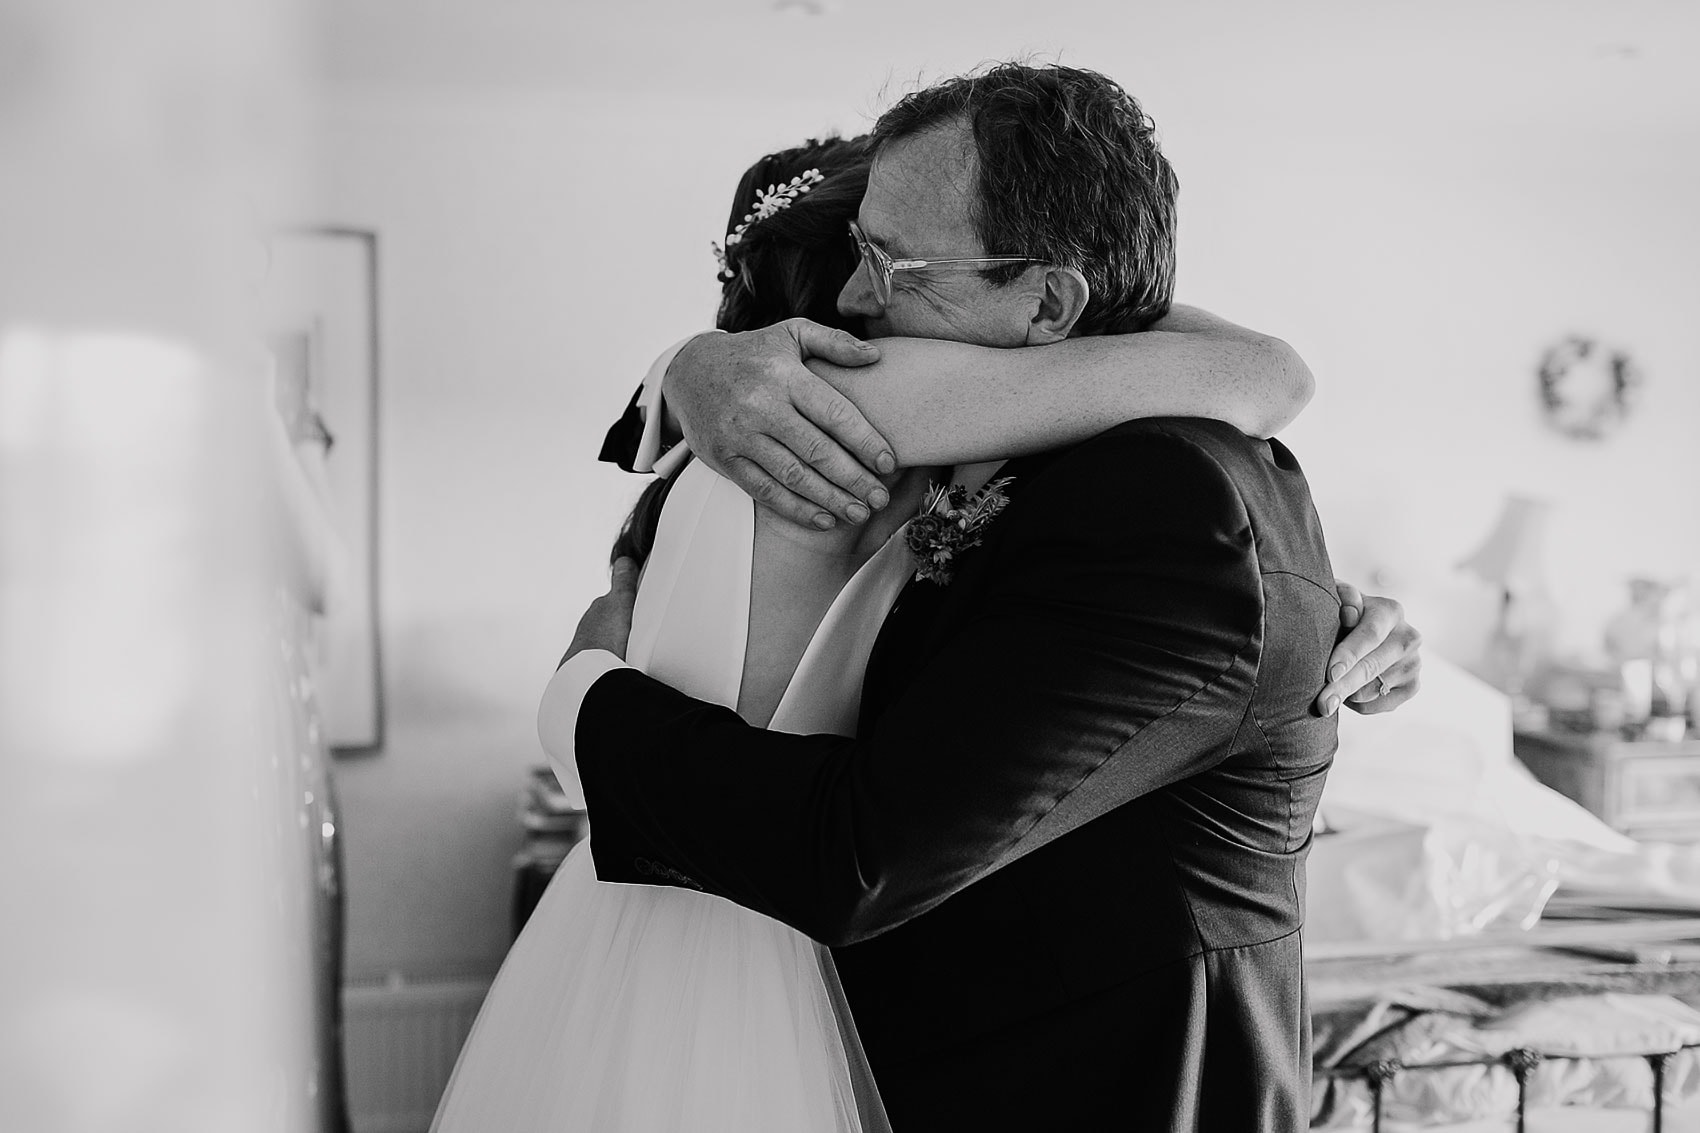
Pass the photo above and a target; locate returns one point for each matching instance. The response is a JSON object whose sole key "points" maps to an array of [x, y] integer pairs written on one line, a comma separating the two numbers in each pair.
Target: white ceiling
{"points": [[1573, 65]]}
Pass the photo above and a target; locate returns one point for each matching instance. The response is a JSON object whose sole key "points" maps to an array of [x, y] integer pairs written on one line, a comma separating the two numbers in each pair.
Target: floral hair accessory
{"points": [[951, 522], [769, 201]]}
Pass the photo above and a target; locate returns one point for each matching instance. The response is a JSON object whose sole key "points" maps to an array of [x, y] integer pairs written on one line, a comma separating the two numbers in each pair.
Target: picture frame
{"points": [[323, 335]]}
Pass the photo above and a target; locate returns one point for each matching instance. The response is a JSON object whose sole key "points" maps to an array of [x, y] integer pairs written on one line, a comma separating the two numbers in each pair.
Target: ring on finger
{"points": [[1381, 688]]}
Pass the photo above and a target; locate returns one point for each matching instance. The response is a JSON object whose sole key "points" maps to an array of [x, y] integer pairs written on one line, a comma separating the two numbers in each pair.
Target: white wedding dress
{"points": [[645, 1009]]}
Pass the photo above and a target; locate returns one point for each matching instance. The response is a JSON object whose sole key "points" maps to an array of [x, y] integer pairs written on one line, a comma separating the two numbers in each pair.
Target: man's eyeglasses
{"points": [[882, 267]]}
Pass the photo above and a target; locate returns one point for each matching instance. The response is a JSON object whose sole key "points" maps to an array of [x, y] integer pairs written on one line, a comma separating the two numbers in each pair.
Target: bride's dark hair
{"points": [[791, 264]]}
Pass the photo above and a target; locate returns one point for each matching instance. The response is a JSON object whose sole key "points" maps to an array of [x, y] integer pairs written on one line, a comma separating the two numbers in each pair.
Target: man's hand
{"points": [[607, 624], [755, 414], [1378, 666]]}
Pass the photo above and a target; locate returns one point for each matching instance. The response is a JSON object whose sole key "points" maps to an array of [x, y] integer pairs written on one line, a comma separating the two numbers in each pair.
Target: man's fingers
{"points": [[800, 479], [836, 440], [836, 346], [623, 579], [837, 416], [774, 496]]}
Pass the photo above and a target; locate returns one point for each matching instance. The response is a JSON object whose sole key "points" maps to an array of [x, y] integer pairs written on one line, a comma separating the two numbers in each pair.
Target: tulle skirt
{"points": [[652, 1010]]}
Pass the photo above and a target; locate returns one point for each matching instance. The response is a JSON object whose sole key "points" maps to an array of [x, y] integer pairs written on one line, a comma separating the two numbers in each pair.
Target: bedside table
{"points": [[1647, 789]]}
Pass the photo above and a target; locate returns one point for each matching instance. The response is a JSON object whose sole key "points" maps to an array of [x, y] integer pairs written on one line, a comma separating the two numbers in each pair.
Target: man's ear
{"points": [[1063, 300]]}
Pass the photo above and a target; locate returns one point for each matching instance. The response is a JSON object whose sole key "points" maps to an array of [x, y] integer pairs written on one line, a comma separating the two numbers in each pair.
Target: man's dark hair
{"points": [[1069, 173]]}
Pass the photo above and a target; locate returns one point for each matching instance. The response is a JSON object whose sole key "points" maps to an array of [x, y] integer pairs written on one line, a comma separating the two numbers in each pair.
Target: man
{"points": [[1062, 864]]}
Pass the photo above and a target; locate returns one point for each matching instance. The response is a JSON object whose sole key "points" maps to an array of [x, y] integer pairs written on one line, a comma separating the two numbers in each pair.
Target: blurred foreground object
{"points": [[157, 801]]}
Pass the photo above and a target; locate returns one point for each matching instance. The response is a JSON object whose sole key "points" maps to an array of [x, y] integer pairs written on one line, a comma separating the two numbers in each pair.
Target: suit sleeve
{"points": [[1113, 651]]}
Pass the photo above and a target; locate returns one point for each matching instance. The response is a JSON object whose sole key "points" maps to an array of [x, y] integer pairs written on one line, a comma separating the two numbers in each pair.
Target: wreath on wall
{"points": [[1586, 388]]}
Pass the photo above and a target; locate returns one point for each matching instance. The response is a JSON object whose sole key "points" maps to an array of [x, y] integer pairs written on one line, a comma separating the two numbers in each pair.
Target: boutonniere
{"points": [[951, 522]]}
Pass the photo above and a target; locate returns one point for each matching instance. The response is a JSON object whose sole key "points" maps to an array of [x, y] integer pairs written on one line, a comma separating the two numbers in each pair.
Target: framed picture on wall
{"points": [[322, 303]]}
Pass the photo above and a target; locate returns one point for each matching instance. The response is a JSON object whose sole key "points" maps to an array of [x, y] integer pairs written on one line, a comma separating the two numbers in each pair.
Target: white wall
{"points": [[1422, 276], [539, 246]]}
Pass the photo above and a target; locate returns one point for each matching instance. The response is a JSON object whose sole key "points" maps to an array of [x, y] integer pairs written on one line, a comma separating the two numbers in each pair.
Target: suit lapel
{"points": [[922, 608], [895, 650]]}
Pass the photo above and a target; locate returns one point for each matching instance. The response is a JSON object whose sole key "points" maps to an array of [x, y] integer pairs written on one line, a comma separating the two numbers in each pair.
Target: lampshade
{"points": [[1510, 558]]}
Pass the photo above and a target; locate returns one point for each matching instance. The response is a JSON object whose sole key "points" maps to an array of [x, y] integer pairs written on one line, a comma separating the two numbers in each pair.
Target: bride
{"points": [[651, 1008]]}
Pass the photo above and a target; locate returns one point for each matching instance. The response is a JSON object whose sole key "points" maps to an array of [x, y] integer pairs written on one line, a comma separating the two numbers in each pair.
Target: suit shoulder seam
{"points": [[1303, 578]]}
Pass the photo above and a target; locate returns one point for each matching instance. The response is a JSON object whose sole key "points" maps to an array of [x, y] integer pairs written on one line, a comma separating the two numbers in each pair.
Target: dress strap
{"points": [[693, 606]]}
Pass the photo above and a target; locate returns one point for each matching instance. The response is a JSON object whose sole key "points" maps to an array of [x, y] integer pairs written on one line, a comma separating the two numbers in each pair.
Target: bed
{"points": [[1483, 955], [1571, 1027]]}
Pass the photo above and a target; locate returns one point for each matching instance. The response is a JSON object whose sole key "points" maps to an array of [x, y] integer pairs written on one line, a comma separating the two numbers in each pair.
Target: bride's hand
{"points": [[607, 624], [754, 413], [1379, 665]]}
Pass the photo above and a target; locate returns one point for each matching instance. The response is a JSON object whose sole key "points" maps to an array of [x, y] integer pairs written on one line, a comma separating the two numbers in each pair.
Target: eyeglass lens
{"points": [[877, 263]]}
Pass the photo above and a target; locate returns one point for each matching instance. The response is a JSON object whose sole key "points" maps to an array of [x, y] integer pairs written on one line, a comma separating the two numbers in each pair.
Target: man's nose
{"points": [[857, 299]]}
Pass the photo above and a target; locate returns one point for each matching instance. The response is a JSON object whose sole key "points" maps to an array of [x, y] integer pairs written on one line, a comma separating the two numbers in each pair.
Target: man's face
{"points": [[919, 205]]}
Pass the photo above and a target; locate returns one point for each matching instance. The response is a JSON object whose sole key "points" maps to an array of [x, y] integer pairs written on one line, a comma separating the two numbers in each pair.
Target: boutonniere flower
{"points": [[951, 522]]}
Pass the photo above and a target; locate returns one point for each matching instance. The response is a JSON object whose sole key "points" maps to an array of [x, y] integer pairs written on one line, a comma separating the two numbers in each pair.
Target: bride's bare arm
{"points": [[942, 402], [752, 410]]}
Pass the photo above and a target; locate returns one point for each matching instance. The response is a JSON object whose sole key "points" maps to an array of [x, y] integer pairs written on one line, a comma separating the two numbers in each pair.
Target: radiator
{"points": [[400, 1041]]}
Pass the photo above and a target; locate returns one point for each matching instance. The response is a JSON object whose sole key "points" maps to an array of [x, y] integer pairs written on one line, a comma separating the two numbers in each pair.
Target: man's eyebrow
{"points": [[885, 243]]}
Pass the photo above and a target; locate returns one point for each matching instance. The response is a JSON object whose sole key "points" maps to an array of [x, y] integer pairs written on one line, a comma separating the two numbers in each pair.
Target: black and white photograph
{"points": [[849, 566]]}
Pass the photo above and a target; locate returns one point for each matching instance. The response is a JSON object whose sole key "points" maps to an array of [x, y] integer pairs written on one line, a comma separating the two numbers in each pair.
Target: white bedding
{"points": [[1607, 1083], [1446, 834]]}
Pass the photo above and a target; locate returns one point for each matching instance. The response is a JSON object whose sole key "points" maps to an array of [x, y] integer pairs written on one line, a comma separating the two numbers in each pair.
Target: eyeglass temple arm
{"points": [[911, 264]]}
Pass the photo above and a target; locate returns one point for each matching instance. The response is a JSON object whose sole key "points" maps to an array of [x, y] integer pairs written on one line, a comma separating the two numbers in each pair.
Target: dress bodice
{"points": [[690, 625]]}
